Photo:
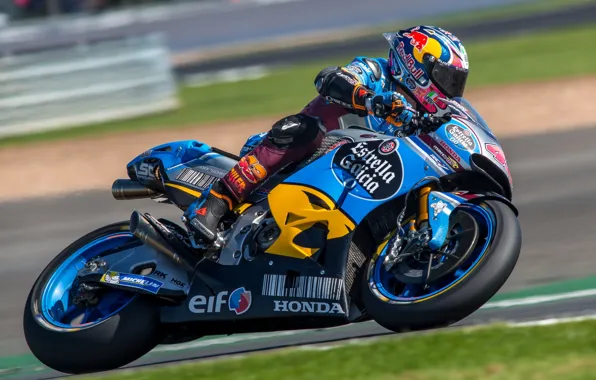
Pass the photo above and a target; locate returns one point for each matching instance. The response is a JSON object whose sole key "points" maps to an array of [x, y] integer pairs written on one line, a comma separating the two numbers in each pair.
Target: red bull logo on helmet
{"points": [[409, 61], [417, 39]]}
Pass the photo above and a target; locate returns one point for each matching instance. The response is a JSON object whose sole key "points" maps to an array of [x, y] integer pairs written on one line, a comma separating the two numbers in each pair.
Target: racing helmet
{"points": [[429, 63]]}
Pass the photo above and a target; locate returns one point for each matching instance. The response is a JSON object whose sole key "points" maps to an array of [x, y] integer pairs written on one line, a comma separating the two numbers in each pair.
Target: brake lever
{"points": [[433, 123]]}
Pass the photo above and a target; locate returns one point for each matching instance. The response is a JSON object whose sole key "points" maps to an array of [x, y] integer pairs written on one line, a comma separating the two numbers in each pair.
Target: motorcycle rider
{"points": [[425, 64]]}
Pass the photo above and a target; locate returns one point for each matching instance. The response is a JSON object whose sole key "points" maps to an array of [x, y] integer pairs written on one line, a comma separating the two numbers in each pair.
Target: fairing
{"points": [[181, 169], [385, 176], [339, 189]]}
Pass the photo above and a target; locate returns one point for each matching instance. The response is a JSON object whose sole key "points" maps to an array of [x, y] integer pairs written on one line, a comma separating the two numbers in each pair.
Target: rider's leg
{"points": [[290, 139]]}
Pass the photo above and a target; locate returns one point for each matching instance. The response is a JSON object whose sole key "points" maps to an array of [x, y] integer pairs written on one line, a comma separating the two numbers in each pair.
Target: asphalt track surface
{"points": [[554, 310], [562, 18], [554, 191], [245, 21]]}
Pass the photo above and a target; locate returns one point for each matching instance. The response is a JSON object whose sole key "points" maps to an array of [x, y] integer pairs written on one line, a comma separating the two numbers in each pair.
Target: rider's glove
{"points": [[391, 106], [425, 123]]}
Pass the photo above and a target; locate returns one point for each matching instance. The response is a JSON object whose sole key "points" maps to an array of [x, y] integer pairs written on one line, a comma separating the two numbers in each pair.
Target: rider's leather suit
{"points": [[342, 91]]}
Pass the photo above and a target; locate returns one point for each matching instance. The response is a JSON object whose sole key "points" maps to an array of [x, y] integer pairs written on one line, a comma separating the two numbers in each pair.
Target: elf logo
{"points": [[239, 302]]}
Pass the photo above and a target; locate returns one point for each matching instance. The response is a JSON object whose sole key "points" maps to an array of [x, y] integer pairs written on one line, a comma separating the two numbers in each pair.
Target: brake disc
{"points": [[461, 241]]}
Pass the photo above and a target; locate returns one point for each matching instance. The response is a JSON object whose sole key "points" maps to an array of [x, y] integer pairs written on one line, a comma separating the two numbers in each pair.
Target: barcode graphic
{"points": [[195, 178], [327, 288]]}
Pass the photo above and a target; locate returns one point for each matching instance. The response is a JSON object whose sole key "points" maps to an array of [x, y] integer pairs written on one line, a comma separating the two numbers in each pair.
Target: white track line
{"points": [[553, 321], [364, 341], [539, 299], [491, 305], [227, 340]]}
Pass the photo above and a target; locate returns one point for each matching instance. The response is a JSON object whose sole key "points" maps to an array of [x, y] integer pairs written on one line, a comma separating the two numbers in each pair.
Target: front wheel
{"points": [[485, 242], [113, 329]]}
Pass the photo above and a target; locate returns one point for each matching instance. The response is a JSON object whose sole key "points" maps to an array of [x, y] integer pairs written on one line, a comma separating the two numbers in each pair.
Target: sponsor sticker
{"points": [[388, 147], [434, 98], [438, 149], [211, 170], [354, 68], [337, 101], [499, 156], [146, 171], [252, 169], [309, 287], [160, 274], [439, 163], [409, 61], [236, 181], [177, 282], [461, 137], [378, 176], [195, 178], [132, 280], [497, 153], [110, 278], [140, 282], [417, 39], [347, 78], [307, 307], [239, 301], [448, 159], [438, 207], [450, 150]]}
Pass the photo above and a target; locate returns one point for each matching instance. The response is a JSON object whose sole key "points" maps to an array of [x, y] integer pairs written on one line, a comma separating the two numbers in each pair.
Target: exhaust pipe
{"points": [[126, 189], [142, 229]]}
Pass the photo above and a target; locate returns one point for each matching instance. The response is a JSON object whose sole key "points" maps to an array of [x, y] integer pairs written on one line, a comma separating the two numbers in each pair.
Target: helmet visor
{"points": [[449, 79]]}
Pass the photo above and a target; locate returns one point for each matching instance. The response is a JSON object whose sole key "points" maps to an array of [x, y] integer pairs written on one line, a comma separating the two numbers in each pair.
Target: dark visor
{"points": [[449, 79]]}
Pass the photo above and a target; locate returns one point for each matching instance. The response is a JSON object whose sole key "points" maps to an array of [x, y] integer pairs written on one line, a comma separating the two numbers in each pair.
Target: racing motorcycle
{"points": [[412, 232]]}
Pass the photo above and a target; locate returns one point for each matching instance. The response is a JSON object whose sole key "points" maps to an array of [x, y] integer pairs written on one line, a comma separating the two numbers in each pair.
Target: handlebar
{"points": [[430, 121], [424, 123], [421, 122]]}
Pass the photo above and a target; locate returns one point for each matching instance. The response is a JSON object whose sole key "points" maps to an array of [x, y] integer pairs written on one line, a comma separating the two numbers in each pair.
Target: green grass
{"points": [[565, 351], [506, 11], [499, 61]]}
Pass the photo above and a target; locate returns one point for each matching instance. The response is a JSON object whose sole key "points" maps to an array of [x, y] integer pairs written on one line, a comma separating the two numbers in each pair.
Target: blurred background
{"points": [[85, 85]]}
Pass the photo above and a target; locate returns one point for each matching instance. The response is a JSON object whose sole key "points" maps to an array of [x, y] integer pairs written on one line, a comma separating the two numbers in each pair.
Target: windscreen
{"points": [[462, 106]]}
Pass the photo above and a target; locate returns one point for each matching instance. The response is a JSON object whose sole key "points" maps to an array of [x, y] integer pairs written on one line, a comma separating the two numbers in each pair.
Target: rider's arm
{"points": [[349, 86]]}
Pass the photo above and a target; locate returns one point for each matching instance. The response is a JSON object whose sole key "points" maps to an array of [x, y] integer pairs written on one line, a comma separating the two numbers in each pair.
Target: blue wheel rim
{"points": [[55, 306], [382, 282]]}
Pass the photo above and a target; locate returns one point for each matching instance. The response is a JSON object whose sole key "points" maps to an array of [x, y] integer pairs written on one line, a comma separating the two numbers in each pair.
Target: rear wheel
{"points": [[482, 250], [108, 330]]}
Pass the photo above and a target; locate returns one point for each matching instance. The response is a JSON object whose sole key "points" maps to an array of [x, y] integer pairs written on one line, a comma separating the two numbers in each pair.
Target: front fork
{"points": [[429, 229], [423, 194]]}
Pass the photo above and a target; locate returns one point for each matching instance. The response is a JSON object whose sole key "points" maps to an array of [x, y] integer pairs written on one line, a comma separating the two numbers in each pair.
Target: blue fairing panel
{"points": [[187, 163], [375, 173], [175, 153]]}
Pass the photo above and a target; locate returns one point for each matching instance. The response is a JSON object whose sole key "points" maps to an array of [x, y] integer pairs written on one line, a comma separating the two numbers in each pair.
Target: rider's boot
{"points": [[204, 216], [289, 140]]}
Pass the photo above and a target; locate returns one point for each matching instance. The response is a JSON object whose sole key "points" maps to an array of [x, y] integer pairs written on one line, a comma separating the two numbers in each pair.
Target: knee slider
{"points": [[295, 130]]}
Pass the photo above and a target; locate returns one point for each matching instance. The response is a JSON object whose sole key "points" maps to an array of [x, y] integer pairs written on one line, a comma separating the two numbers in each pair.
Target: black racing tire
{"points": [[465, 297], [115, 342]]}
